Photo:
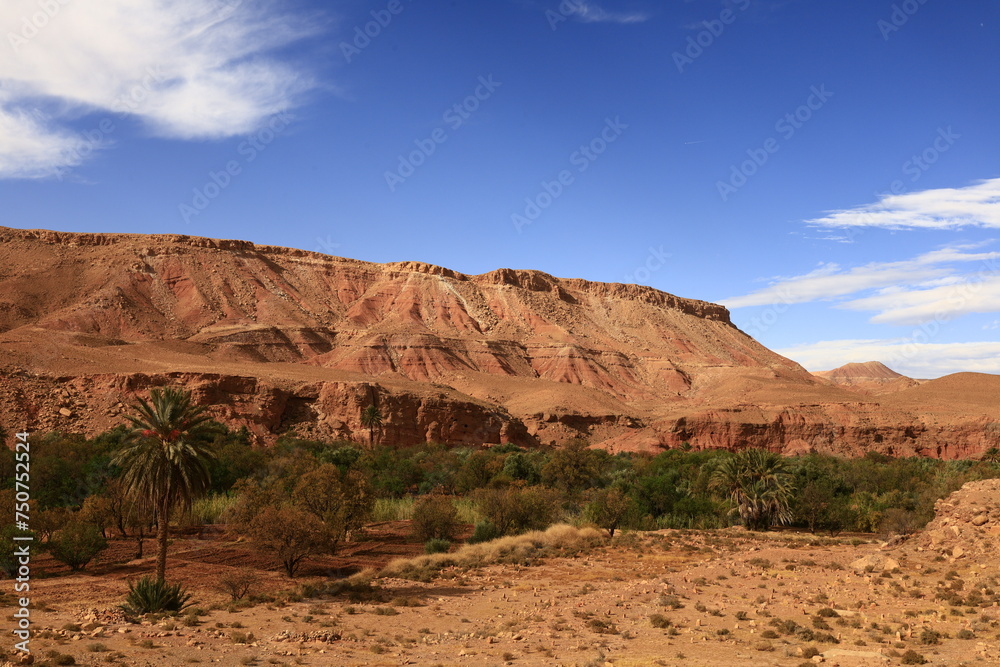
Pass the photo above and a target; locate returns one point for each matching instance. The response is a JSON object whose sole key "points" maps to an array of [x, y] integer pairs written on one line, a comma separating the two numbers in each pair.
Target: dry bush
{"points": [[560, 539], [237, 583]]}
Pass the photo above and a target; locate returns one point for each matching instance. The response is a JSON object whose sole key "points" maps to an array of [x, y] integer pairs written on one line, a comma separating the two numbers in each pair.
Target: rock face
{"points": [[287, 339]]}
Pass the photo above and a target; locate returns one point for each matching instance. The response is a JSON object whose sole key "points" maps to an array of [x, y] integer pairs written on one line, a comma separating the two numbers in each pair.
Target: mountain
{"points": [[869, 371], [869, 377], [286, 339]]}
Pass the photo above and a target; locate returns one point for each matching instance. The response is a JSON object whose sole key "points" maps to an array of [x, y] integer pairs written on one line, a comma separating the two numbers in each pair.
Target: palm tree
{"points": [[759, 485], [991, 455], [165, 458], [371, 418]]}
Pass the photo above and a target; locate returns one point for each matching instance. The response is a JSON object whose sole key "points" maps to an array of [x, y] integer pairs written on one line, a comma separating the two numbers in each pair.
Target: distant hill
{"points": [[869, 371], [872, 377]]}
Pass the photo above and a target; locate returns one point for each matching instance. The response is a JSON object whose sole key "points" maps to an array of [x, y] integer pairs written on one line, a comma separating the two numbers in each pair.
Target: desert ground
{"points": [[672, 597]]}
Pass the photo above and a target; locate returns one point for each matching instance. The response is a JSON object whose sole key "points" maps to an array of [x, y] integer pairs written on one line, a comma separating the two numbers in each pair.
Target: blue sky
{"points": [[827, 170]]}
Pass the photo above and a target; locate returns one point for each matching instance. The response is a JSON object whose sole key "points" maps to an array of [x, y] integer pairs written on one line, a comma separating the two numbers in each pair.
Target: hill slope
{"points": [[291, 339], [870, 377]]}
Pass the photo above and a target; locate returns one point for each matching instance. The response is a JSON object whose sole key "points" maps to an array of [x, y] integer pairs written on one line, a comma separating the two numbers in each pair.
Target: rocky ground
{"points": [[664, 598]]}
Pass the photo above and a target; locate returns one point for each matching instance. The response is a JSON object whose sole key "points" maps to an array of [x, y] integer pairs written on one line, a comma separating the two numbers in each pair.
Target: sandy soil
{"points": [[723, 598]]}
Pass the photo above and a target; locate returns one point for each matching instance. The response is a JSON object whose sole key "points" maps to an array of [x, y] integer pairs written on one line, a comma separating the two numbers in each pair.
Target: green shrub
{"points": [[150, 595], [77, 544], [437, 546], [911, 657], [515, 510], [434, 518], [484, 532]]}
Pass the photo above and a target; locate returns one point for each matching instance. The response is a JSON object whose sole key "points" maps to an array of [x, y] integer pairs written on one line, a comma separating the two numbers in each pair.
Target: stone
{"points": [[979, 520], [65, 412], [875, 563]]}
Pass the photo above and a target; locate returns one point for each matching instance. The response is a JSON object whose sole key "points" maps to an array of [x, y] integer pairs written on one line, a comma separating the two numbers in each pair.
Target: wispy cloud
{"points": [[187, 69], [909, 291], [30, 149], [976, 205], [919, 360], [591, 12], [976, 293]]}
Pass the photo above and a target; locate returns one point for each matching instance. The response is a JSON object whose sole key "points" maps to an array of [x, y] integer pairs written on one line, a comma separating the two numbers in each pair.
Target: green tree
{"points": [[76, 544], [609, 508], [512, 510], [813, 501], [97, 510], [342, 501], [573, 468], [434, 517], [291, 534], [165, 458], [371, 418], [46, 522], [522, 466], [477, 470], [309, 513], [759, 485]]}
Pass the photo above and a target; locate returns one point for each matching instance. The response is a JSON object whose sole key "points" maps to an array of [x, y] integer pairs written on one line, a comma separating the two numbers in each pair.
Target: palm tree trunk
{"points": [[162, 533]]}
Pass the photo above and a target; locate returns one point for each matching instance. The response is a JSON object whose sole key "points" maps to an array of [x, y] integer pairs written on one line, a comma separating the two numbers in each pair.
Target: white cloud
{"points": [[945, 208], [188, 69], [29, 150], [918, 276], [906, 356], [590, 12], [977, 293]]}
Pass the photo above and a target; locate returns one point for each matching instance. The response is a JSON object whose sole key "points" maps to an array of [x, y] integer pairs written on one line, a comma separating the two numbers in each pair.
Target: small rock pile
{"points": [[966, 524], [314, 636], [108, 616]]}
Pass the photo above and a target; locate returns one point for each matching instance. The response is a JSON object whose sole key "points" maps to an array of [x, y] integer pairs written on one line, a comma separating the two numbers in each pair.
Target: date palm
{"points": [[165, 458], [371, 418], [991, 455], [759, 485]]}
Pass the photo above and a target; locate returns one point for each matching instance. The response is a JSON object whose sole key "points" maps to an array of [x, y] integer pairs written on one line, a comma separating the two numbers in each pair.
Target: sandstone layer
{"points": [[284, 339]]}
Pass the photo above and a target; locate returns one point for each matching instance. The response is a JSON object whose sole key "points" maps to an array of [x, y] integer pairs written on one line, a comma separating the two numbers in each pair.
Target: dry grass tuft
{"points": [[558, 540]]}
